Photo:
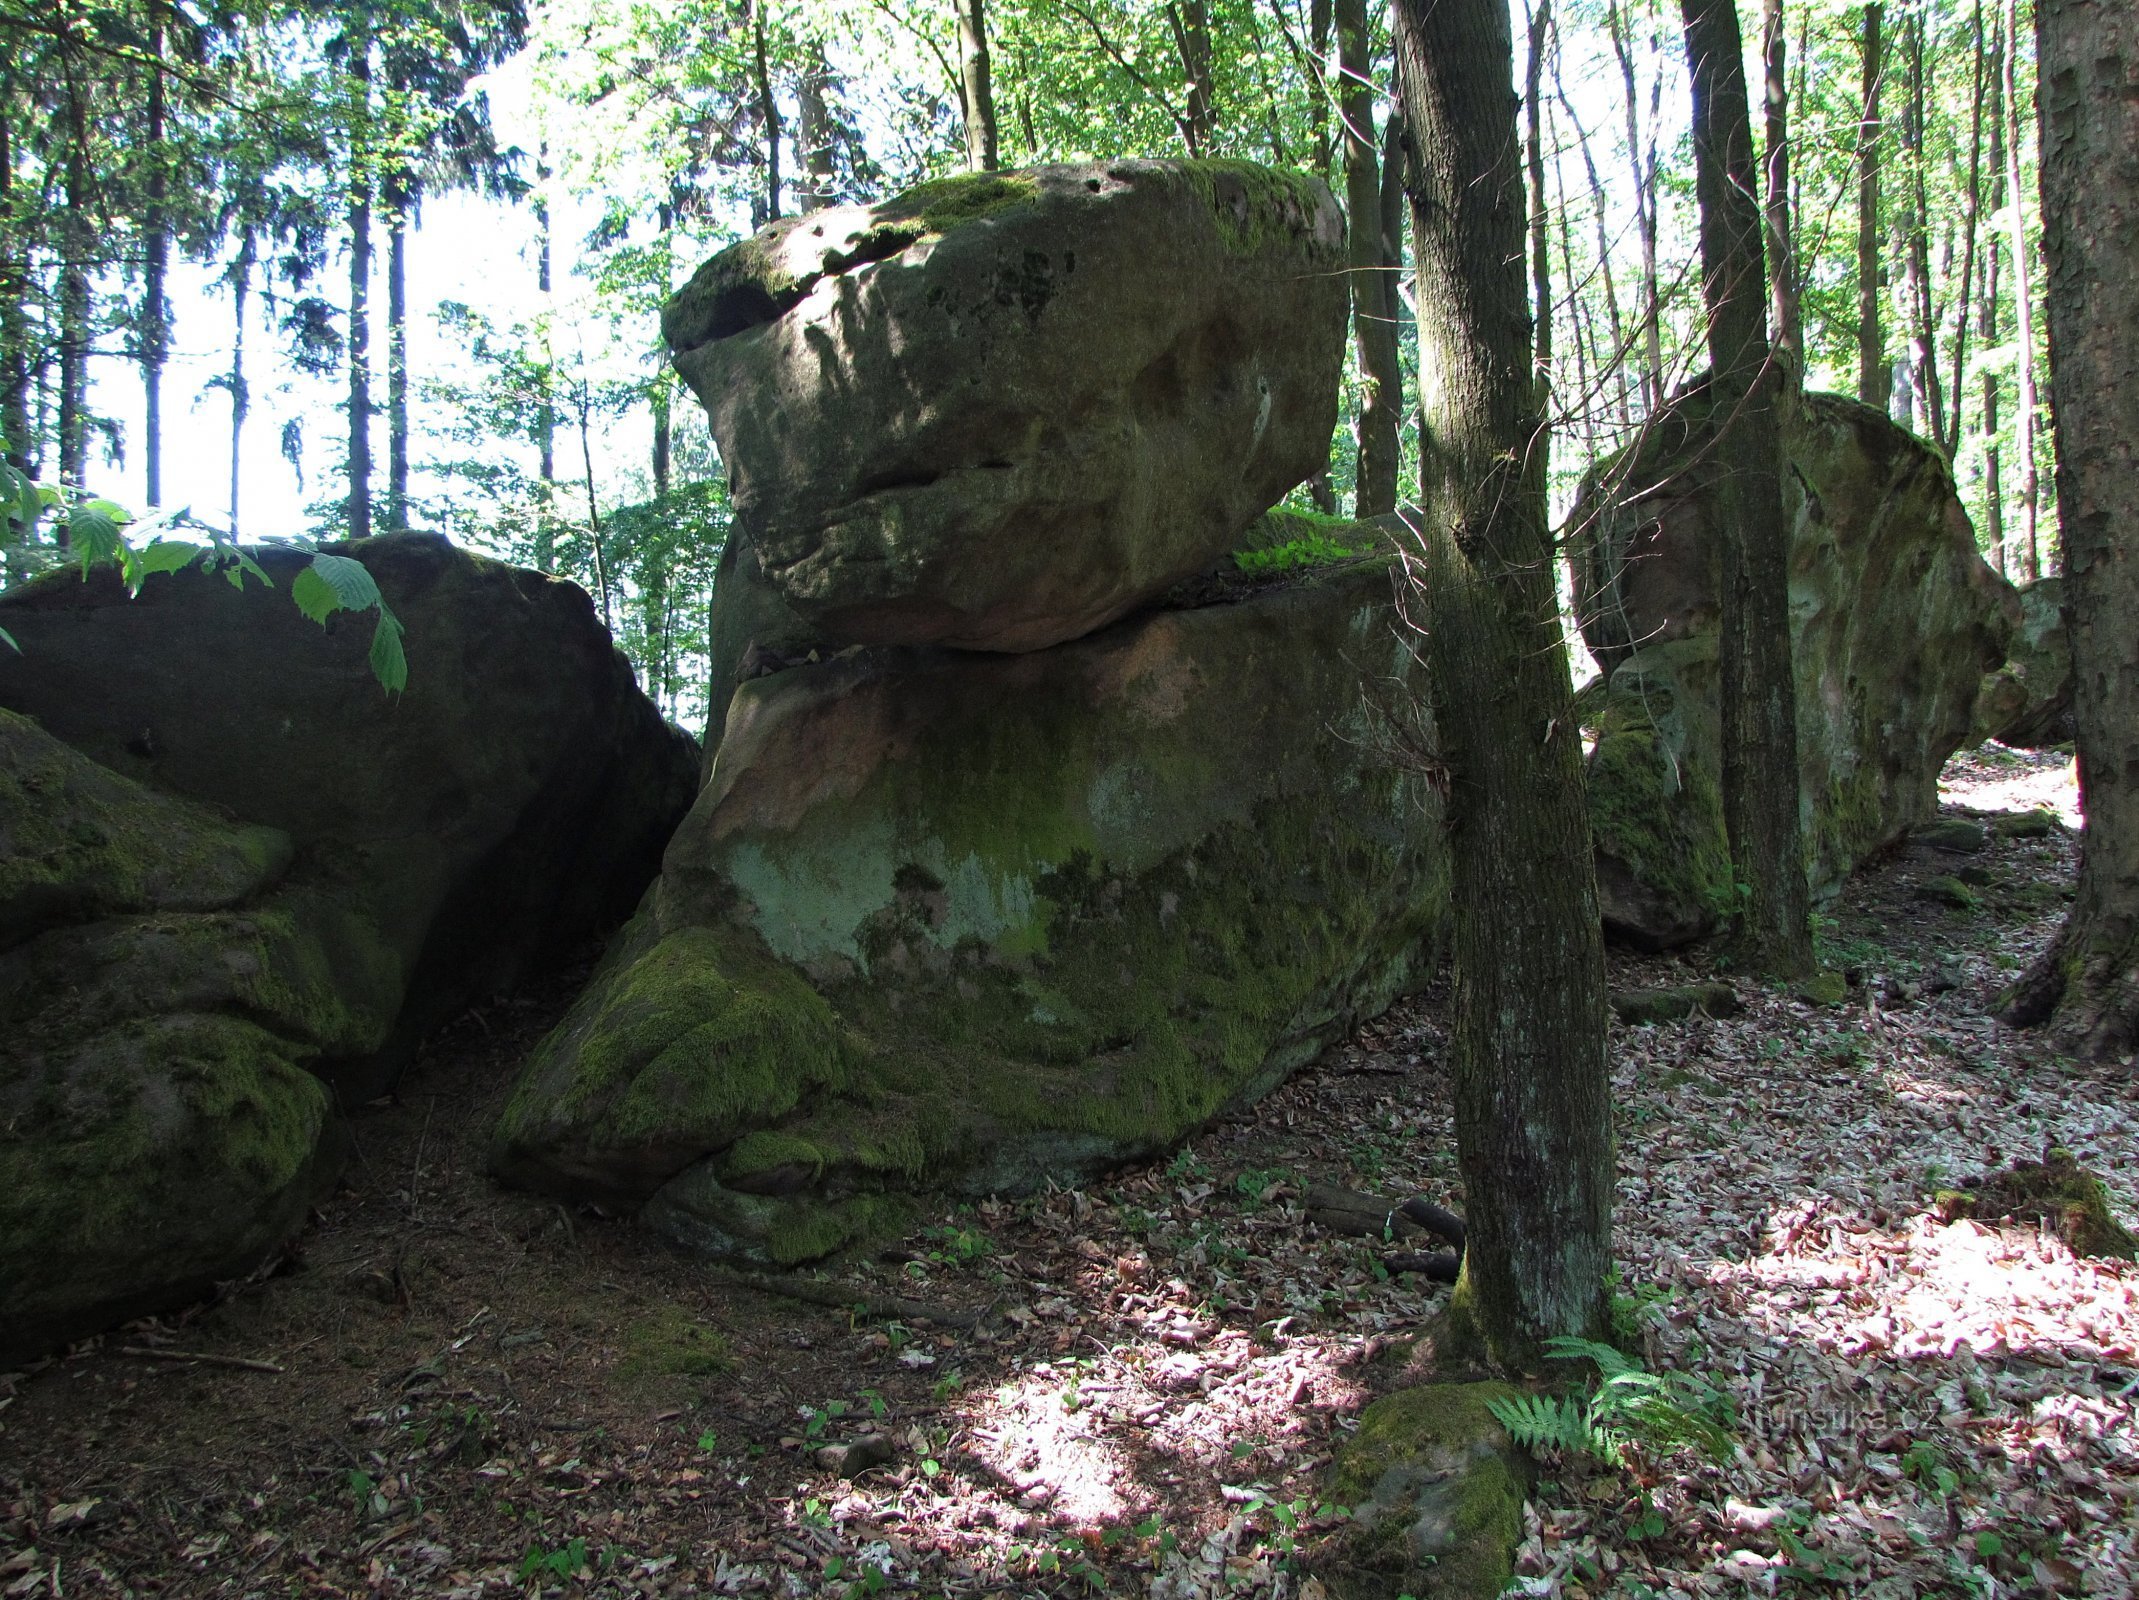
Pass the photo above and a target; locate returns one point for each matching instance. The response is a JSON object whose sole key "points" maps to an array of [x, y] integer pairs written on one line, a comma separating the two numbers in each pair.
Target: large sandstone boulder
{"points": [[1001, 411], [1896, 618], [2028, 701], [510, 805], [248, 880], [976, 921]]}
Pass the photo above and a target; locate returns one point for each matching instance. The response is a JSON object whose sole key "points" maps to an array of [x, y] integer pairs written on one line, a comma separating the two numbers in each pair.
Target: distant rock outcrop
{"points": [[2028, 701], [1001, 411], [237, 879], [1896, 619]]}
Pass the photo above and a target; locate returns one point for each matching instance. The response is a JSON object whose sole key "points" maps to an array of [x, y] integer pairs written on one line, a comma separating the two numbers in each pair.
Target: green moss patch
{"points": [[1436, 1490], [671, 1343], [2056, 1190], [1662, 819]]}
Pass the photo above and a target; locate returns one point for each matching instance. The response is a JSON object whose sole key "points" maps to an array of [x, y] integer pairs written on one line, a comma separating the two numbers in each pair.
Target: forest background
{"points": [[327, 268]]}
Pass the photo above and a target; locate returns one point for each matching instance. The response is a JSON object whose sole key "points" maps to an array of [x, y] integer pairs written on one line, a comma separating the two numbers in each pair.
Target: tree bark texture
{"points": [[397, 228], [978, 86], [1784, 303], [2023, 304], [360, 300], [2087, 984], [1373, 291], [156, 266], [1533, 1094], [1759, 700], [1875, 380]]}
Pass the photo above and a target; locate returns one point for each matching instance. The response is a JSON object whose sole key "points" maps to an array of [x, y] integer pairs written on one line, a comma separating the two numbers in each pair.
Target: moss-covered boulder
{"points": [[161, 985], [2028, 701], [1435, 1487], [945, 919], [1896, 619], [1001, 411], [509, 806]]}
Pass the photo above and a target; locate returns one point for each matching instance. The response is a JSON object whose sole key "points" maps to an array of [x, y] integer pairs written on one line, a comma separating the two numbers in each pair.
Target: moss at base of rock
{"points": [[1436, 1491], [2057, 1190], [671, 1343], [1663, 821]]}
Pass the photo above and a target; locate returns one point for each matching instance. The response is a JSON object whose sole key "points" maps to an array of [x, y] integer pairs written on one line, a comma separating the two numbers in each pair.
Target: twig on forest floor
{"points": [[142, 1352]]}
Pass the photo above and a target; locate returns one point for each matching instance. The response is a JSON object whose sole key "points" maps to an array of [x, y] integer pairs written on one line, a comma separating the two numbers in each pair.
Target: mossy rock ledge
{"points": [[964, 921], [238, 881], [1435, 1487], [1003, 410], [1895, 619]]}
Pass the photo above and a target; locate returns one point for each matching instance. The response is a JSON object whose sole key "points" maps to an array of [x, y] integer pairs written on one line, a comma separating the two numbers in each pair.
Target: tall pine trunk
{"points": [[768, 114], [1758, 692], [1875, 380], [14, 299], [397, 196], [2023, 304], [1533, 1096], [2087, 983], [1373, 318], [1987, 328], [76, 237], [546, 403], [976, 87], [1783, 299], [241, 282], [360, 293], [156, 264]]}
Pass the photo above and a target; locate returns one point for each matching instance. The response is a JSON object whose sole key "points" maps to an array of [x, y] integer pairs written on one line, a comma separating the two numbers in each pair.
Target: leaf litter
{"points": [[474, 1397]]}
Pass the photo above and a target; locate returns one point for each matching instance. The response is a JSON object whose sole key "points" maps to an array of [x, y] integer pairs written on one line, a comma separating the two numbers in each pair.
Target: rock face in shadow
{"points": [[238, 880], [1001, 411], [2028, 701], [973, 922], [1896, 619]]}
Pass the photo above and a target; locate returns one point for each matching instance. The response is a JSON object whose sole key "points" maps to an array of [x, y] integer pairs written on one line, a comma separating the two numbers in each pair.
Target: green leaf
{"points": [[389, 664], [163, 555], [351, 581], [9, 640], [315, 597]]}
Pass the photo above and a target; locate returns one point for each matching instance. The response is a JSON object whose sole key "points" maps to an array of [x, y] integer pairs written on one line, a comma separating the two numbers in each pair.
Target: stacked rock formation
{"points": [[1036, 830], [1896, 619], [238, 882]]}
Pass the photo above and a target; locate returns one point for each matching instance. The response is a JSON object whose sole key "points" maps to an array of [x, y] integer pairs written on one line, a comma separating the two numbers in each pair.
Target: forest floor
{"points": [[465, 1391]]}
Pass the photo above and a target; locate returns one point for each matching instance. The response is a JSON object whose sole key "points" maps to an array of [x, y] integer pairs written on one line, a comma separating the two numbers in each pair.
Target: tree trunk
{"points": [[14, 301], [397, 219], [156, 265], [360, 297], [1533, 1094], [1875, 380], [1318, 27], [241, 282], [1652, 339], [659, 398], [1191, 24], [1923, 318], [2087, 983], [74, 304], [813, 132], [2023, 304], [546, 405], [1540, 246], [1758, 693], [977, 85], [1784, 305], [1987, 328], [1373, 325], [768, 114], [1971, 221]]}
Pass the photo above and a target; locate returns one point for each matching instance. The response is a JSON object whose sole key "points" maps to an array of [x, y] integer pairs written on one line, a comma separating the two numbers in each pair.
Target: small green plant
{"points": [[1927, 1464], [1186, 1167], [708, 1442], [568, 1560], [958, 1247], [1317, 549], [365, 1491], [1630, 1408], [1256, 1183]]}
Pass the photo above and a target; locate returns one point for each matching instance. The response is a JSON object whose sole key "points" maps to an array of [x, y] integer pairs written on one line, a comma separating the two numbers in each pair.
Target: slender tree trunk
{"points": [[1532, 1090], [1319, 22], [1923, 317], [14, 299], [156, 264], [1540, 239], [1783, 303], [76, 239], [1875, 380], [2087, 983], [1987, 328], [2023, 303], [241, 282], [1965, 301], [1191, 24], [813, 133], [1652, 339], [768, 113], [979, 89], [546, 407], [1758, 693], [397, 198], [594, 509], [660, 395], [1598, 211], [360, 296], [1373, 325]]}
